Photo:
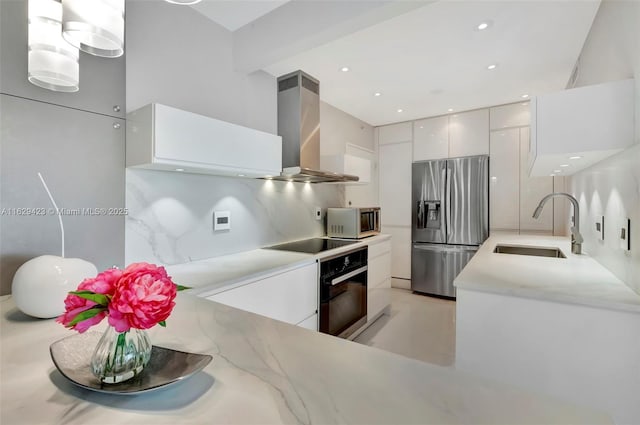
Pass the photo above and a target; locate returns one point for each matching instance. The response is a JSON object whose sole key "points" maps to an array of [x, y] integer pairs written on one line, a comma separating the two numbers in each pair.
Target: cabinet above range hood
{"points": [[299, 126]]}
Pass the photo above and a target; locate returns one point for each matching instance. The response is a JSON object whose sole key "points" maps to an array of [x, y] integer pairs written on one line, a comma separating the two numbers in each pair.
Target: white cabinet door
{"points": [[394, 133], [164, 138], [469, 133], [431, 138], [378, 278], [378, 298], [532, 190], [400, 250], [310, 323], [504, 192], [506, 116], [291, 296], [379, 269], [395, 183]]}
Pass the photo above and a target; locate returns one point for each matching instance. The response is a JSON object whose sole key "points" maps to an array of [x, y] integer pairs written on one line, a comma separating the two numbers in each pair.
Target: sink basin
{"points": [[538, 251]]}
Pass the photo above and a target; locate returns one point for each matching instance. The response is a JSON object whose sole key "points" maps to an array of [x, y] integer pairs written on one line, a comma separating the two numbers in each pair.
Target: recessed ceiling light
{"points": [[240, 175], [450, 110], [344, 69], [557, 171], [524, 96], [575, 157], [492, 66], [376, 94], [483, 26], [564, 165], [552, 175], [179, 169], [399, 110]]}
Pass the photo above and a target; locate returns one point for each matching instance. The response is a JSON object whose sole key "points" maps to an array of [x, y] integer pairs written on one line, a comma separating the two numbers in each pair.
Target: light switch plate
{"points": [[600, 227], [221, 220], [625, 235], [318, 213]]}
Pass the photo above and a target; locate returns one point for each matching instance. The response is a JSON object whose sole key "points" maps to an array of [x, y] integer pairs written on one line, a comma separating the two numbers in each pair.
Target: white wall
{"points": [[341, 133], [612, 187], [178, 57]]}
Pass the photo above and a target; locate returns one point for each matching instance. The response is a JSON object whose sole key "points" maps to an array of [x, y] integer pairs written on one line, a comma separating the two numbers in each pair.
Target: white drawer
{"points": [[310, 323], [379, 248], [379, 269], [291, 296]]}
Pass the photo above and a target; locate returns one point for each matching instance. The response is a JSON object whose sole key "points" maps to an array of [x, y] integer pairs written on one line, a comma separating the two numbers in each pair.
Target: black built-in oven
{"points": [[343, 293]]}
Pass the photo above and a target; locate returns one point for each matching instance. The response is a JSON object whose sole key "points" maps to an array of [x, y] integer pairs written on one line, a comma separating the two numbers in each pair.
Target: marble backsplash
{"points": [[170, 215], [612, 188]]}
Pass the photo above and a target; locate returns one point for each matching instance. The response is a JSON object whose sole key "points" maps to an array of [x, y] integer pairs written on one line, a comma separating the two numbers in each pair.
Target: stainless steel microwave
{"points": [[353, 223]]}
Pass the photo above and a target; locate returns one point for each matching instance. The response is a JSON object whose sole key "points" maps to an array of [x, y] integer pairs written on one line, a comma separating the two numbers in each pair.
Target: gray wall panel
{"points": [[81, 156]]}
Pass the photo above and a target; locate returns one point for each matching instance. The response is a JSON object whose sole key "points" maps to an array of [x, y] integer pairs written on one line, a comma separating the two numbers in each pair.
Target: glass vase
{"points": [[120, 356]]}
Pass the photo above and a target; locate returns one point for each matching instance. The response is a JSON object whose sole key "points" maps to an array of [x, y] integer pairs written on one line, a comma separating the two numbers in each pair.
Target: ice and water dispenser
{"points": [[429, 213]]}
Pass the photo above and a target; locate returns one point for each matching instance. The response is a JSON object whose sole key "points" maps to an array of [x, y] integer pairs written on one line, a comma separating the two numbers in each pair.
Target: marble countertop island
{"points": [[577, 279], [263, 372]]}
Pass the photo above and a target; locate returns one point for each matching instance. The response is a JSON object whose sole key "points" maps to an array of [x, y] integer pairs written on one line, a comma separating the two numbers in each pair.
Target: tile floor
{"points": [[418, 326]]}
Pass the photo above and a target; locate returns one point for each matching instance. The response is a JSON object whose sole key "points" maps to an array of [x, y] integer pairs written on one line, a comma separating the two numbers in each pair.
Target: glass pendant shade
{"points": [[53, 63], [94, 26], [184, 2]]}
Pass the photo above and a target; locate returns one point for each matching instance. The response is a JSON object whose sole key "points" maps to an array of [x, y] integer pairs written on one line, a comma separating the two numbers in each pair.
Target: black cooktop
{"points": [[312, 246]]}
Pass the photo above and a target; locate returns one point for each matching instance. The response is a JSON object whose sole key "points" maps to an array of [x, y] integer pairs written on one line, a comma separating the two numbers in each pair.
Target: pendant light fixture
{"points": [[94, 26], [52, 62]]}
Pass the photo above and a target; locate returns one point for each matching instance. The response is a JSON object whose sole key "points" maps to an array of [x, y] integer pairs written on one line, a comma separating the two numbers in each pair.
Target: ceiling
{"points": [[233, 14], [434, 59]]}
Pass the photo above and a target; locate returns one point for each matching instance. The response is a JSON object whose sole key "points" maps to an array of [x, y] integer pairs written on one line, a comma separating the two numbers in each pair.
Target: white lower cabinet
{"points": [[400, 250], [378, 279], [290, 296], [310, 323]]}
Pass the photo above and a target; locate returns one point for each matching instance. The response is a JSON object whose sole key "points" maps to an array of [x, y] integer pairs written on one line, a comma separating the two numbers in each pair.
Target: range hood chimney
{"points": [[299, 126]]}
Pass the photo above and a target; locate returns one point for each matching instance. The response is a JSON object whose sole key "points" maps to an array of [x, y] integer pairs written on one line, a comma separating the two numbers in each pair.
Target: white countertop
{"points": [[577, 279], [223, 272], [263, 372]]}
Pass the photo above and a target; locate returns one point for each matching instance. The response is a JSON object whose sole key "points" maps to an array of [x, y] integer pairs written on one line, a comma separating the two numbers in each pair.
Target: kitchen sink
{"points": [[538, 251]]}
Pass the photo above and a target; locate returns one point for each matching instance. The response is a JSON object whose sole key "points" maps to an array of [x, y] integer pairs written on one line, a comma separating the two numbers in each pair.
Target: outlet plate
{"points": [[625, 235], [318, 213], [221, 220], [600, 227]]}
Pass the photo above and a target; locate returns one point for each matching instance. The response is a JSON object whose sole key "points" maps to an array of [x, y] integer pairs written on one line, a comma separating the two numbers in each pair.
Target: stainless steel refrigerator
{"points": [[450, 219]]}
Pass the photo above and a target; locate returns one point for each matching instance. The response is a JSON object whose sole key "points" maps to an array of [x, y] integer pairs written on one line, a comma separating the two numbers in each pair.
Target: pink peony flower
{"points": [[143, 297], [103, 283]]}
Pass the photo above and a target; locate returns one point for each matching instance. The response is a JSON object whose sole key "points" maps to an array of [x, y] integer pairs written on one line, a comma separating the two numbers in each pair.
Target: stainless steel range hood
{"points": [[299, 126]]}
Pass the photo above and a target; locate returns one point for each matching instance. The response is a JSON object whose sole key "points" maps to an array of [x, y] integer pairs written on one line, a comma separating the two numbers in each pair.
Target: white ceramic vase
{"points": [[41, 284]]}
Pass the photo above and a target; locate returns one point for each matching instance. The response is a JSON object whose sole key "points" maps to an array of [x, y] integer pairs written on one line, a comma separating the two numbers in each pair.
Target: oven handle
{"points": [[348, 275]]}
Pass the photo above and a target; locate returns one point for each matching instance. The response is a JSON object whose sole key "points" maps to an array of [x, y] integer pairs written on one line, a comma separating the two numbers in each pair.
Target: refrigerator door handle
{"points": [[447, 201]]}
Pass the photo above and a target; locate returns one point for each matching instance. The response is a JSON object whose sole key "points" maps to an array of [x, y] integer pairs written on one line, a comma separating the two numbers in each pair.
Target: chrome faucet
{"points": [[576, 237]]}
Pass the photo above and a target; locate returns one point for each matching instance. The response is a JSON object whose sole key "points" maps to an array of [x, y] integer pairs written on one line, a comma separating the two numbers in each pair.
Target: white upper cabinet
{"points": [[431, 138], [469, 133], [591, 122], [504, 179], [395, 184], [507, 116], [395, 133], [163, 138], [532, 190]]}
